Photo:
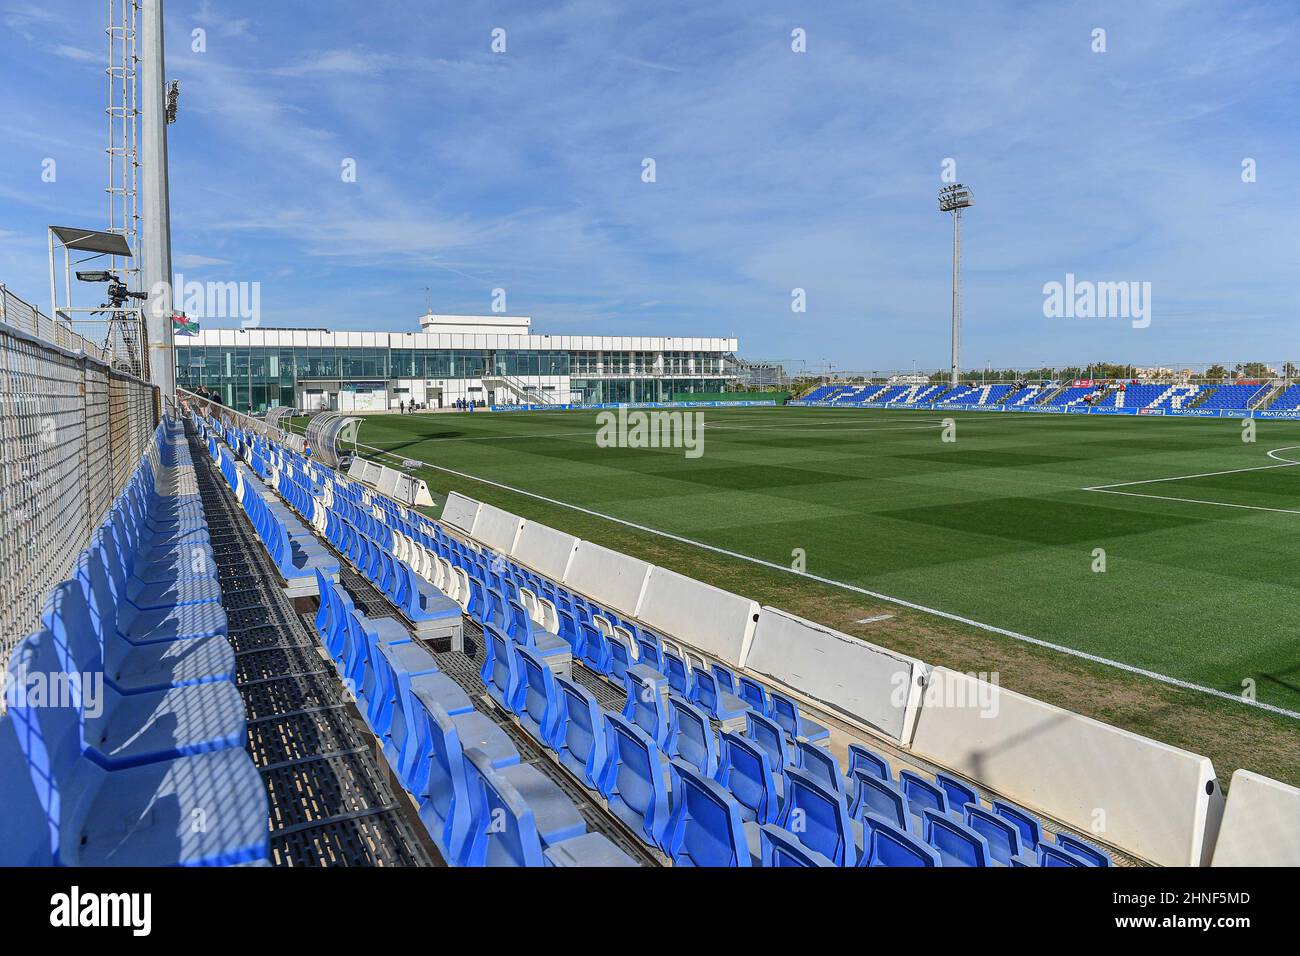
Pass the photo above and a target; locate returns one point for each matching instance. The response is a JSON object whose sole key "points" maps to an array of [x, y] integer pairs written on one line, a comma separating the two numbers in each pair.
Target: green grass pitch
{"points": [[1200, 579]]}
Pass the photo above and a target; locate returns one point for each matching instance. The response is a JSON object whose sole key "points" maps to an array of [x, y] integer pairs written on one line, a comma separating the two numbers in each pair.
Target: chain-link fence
{"points": [[71, 431]]}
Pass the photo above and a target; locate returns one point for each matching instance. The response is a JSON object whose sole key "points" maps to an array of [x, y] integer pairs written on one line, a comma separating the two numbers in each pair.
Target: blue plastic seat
{"points": [[958, 792], [645, 704], [768, 735], [501, 669], [780, 847], [921, 794], [595, 649], [442, 793], [746, 773], [1002, 837], [406, 749], [632, 779], [158, 625], [1051, 855], [791, 720], [717, 703], [61, 808], [539, 704], [620, 658], [725, 677], [1030, 830], [819, 818], [514, 812], [690, 737], [887, 845], [579, 739], [819, 763], [754, 694], [705, 825], [882, 798], [870, 762], [127, 668], [957, 844], [1089, 854], [678, 673], [124, 730]]}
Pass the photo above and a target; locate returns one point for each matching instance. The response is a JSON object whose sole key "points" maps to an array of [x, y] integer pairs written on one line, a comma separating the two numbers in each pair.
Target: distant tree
{"points": [[1216, 373]]}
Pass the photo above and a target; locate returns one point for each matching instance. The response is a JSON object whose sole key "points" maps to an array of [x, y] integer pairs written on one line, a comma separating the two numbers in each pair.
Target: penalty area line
{"points": [[900, 602]]}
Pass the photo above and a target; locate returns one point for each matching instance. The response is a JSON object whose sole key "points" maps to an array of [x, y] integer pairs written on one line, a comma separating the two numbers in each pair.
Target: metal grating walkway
{"points": [[331, 803]]}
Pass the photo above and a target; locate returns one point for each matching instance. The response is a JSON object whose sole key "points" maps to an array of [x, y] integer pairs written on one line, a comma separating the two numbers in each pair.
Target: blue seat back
{"points": [[1086, 852], [595, 650], [677, 672], [503, 830], [765, 732], [746, 773], [753, 693], [39, 750], [1002, 838], [957, 844], [959, 794], [500, 671], [691, 737], [921, 794], [726, 679], [580, 736], [890, 846], [1030, 830], [539, 699], [705, 827], [442, 789], [860, 758], [879, 797], [820, 764], [818, 817], [645, 707], [780, 847], [632, 779]]}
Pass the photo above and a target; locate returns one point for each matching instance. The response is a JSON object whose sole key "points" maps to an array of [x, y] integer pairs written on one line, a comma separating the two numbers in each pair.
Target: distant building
{"points": [[494, 359]]}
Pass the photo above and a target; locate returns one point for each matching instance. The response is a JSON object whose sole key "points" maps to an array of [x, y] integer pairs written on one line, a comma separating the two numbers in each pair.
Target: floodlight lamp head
{"points": [[955, 197]]}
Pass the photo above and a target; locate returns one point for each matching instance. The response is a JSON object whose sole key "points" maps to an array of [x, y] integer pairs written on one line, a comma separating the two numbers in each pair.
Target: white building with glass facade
{"points": [[490, 360]]}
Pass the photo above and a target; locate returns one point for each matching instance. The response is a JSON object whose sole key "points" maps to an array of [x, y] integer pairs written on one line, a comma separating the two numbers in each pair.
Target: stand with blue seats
{"points": [[122, 744]]}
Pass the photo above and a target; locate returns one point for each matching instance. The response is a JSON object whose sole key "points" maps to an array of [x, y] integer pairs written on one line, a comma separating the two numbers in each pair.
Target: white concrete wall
{"points": [[607, 577], [460, 512], [545, 550], [711, 619], [1137, 793], [1261, 823], [496, 528], [841, 674]]}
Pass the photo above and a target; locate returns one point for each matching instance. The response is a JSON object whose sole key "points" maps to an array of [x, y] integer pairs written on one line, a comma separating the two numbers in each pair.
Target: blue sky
{"points": [[775, 169]]}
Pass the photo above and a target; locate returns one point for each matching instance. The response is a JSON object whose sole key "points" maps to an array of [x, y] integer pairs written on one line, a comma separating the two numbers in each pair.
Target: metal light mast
{"points": [[954, 199], [156, 246]]}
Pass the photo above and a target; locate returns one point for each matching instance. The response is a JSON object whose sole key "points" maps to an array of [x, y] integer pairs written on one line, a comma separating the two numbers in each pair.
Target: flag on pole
{"points": [[182, 324]]}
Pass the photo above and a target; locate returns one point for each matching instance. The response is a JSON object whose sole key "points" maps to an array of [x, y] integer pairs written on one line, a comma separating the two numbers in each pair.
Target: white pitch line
{"points": [[1195, 501], [1284, 463], [935, 612]]}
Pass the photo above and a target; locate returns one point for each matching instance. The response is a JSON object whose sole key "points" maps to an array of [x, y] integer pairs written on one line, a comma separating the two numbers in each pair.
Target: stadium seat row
{"points": [[122, 743]]}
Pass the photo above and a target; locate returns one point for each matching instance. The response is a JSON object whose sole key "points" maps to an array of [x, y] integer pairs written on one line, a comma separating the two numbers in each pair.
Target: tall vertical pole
{"points": [[157, 241], [956, 295]]}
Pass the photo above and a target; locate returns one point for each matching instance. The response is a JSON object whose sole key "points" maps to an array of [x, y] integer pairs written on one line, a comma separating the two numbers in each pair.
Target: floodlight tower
{"points": [[954, 199]]}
